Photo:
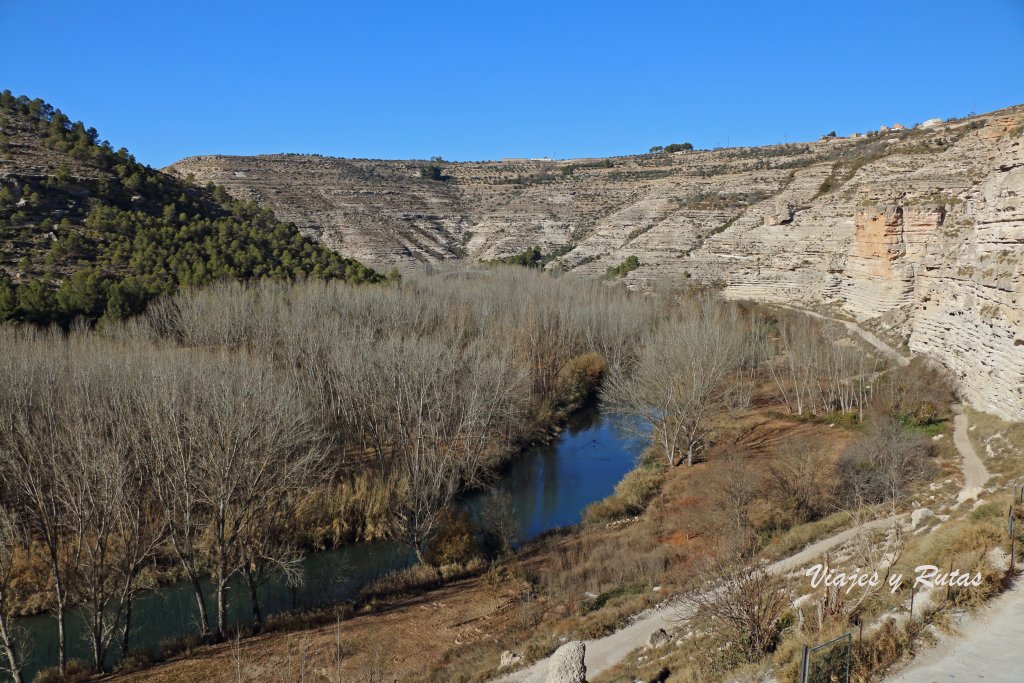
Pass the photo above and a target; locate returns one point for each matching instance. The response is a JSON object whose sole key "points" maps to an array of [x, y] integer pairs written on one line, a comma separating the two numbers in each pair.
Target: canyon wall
{"points": [[918, 235]]}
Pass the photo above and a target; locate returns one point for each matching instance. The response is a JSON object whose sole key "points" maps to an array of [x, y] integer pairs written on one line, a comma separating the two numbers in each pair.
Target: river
{"points": [[549, 486]]}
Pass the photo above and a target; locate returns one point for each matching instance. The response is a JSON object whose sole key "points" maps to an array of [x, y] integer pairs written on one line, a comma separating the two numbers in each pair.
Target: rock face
{"points": [[567, 665], [917, 234]]}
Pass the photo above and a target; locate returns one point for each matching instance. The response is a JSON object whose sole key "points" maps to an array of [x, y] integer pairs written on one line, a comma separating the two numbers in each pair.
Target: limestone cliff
{"points": [[918, 234]]}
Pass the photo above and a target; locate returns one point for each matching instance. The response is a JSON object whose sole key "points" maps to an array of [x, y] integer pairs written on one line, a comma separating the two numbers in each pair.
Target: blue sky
{"points": [[486, 79]]}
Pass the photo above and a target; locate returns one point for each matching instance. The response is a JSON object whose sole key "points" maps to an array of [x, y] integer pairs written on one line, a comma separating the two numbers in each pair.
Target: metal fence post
{"points": [[849, 655], [809, 652], [1013, 543]]}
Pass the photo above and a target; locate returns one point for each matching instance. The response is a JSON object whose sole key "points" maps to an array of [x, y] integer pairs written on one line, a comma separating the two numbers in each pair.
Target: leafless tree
{"points": [[684, 372], [730, 489], [33, 454], [881, 466], [14, 539], [239, 437], [437, 410], [90, 486], [802, 480], [267, 546], [820, 369], [739, 604]]}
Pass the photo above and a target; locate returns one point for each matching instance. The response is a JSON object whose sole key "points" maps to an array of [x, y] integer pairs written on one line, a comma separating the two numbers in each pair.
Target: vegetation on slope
{"points": [[630, 264], [95, 233]]}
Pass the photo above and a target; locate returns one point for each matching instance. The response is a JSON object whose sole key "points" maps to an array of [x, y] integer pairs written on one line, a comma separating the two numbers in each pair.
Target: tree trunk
{"points": [[419, 553], [204, 621], [97, 646], [62, 637], [257, 615], [222, 606], [127, 627], [10, 651]]}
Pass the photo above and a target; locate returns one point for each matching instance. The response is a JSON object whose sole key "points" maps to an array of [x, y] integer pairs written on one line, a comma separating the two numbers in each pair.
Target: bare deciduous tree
{"points": [[239, 437], [33, 456], [684, 372], [437, 411], [881, 466], [820, 369], [14, 539], [741, 605], [802, 480]]}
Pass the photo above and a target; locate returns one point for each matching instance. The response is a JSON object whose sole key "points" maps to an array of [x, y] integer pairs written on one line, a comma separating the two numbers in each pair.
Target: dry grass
{"points": [[1000, 444], [632, 494], [792, 540]]}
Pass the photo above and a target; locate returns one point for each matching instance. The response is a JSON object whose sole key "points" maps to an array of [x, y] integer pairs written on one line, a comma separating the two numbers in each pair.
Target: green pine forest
{"points": [[105, 234]]}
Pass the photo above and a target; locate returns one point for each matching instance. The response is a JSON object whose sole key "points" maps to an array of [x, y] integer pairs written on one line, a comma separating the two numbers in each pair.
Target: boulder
{"points": [[567, 664], [781, 213], [921, 517], [657, 639]]}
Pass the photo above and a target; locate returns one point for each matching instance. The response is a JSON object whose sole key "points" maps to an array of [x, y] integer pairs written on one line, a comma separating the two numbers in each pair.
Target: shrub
{"points": [[918, 393], [454, 542], [628, 266], [432, 172], [883, 464], [579, 378], [76, 671]]}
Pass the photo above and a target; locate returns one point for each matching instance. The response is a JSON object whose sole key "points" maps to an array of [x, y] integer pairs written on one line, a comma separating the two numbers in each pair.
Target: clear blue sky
{"points": [[488, 79]]}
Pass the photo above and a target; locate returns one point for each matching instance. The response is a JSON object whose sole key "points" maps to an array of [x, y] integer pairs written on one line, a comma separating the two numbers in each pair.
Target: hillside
{"points": [[917, 234], [88, 231]]}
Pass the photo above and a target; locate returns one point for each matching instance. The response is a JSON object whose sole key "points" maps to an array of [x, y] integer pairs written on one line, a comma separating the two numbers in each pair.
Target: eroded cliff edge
{"points": [[918, 234]]}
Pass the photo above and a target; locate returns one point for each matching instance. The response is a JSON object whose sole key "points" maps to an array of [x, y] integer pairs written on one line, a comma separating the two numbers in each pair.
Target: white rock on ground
{"points": [[657, 638], [567, 664], [921, 517], [510, 659]]}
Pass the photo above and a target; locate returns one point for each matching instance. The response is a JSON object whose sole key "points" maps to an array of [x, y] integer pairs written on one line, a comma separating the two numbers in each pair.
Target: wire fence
{"points": [[828, 662]]}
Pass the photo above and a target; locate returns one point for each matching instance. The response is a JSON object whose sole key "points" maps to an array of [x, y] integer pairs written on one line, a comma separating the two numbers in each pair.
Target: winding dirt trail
{"points": [[990, 647]]}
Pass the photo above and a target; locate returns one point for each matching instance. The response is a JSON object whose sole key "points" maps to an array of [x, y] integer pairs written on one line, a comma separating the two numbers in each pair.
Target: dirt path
{"points": [[989, 650], [975, 472], [857, 330]]}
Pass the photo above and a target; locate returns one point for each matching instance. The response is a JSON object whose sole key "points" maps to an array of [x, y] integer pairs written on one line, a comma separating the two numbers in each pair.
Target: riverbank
{"points": [[582, 583], [546, 487]]}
